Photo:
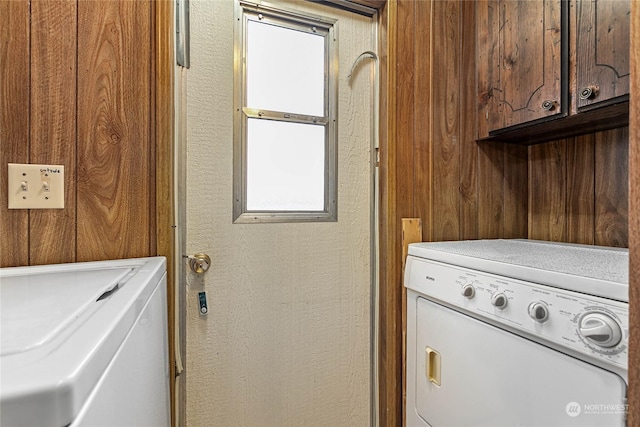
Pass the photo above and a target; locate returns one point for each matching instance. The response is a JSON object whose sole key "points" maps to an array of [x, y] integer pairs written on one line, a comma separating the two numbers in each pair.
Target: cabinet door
{"points": [[522, 59], [602, 54]]}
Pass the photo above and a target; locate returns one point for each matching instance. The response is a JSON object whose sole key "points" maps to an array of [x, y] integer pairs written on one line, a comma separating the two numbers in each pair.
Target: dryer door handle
{"points": [[432, 365]]}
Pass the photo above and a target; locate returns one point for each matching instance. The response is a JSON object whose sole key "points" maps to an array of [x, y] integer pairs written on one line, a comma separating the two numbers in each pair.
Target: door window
{"points": [[285, 117]]}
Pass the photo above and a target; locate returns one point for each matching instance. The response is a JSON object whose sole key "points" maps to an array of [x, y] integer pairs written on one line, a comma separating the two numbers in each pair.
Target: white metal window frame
{"points": [[263, 12]]}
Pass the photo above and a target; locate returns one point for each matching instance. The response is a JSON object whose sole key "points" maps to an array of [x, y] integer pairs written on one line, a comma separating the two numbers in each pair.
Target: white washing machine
{"points": [[84, 344], [516, 333]]}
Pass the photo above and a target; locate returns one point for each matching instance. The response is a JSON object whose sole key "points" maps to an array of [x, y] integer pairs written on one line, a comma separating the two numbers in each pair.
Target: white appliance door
{"points": [[490, 377]]}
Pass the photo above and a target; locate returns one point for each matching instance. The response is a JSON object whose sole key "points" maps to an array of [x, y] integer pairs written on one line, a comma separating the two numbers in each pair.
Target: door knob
{"points": [[199, 263]]}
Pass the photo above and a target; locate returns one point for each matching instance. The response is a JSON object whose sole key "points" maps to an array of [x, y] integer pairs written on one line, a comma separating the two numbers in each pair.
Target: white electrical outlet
{"points": [[36, 186]]}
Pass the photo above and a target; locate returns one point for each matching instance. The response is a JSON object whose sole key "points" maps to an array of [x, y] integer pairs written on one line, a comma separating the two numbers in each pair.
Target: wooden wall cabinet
{"points": [[521, 62], [547, 68], [602, 52]]}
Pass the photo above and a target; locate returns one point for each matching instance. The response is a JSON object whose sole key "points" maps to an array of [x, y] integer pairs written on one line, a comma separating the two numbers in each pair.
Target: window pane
{"points": [[285, 70], [285, 166]]}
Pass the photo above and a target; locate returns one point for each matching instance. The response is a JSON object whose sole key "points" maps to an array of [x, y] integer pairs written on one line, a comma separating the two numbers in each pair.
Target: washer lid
{"points": [[58, 335], [35, 308]]}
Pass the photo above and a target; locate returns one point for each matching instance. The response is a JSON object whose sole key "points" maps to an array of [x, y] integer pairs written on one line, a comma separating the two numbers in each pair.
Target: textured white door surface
{"points": [[287, 338]]}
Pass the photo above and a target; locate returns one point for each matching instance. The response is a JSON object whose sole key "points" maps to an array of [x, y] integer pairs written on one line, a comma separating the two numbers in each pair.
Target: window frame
{"points": [[246, 11]]}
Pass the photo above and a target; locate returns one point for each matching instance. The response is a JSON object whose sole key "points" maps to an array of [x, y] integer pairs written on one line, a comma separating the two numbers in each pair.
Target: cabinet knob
{"points": [[548, 105], [589, 92]]}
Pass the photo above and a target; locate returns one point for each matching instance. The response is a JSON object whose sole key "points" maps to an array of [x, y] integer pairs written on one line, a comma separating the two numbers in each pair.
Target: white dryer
{"points": [[84, 344], [516, 332]]}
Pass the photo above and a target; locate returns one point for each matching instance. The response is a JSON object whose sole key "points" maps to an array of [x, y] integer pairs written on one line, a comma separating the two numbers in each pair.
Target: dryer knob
{"points": [[538, 312], [499, 300], [600, 329], [468, 291]]}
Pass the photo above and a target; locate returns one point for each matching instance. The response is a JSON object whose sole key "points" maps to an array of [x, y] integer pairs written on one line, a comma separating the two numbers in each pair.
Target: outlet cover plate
{"points": [[35, 186]]}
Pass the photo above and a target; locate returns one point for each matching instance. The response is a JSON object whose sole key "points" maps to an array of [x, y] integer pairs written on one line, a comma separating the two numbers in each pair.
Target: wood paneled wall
{"points": [[570, 190], [578, 189], [460, 188], [77, 90]]}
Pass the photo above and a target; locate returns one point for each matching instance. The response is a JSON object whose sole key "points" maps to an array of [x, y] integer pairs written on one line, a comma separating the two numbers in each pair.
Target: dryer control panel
{"points": [[589, 327]]}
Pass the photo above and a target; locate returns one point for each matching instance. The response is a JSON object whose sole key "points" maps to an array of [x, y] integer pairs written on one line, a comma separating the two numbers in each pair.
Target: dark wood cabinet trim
{"points": [[610, 117]]}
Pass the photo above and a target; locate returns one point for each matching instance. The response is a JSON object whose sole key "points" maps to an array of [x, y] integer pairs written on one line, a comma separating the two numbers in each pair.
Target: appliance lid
{"points": [[35, 308], [592, 270], [60, 327]]}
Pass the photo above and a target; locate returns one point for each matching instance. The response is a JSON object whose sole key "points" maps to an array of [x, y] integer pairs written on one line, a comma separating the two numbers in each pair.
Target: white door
{"points": [[286, 340]]}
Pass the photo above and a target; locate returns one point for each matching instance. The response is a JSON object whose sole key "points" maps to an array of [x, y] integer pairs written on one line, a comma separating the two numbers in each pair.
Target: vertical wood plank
{"points": [[163, 124], [390, 337], [422, 117], [14, 124], [514, 192], [446, 107], [487, 55], [612, 187], [547, 191], [580, 189], [490, 190], [53, 124], [468, 225], [634, 221], [405, 193], [411, 233], [114, 151], [406, 101]]}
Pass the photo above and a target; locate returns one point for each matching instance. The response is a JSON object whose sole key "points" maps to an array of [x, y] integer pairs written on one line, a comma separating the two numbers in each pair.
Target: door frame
{"points": [[163, 129], [390, 335]]}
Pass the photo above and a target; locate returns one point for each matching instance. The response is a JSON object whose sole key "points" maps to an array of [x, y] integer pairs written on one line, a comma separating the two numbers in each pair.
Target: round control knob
{"points": [[468, 291], [499, 300], [538, 312], [601, 329]]}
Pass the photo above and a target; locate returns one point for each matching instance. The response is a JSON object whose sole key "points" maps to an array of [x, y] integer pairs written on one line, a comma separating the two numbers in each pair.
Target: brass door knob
{"points": [[200, 263]]}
